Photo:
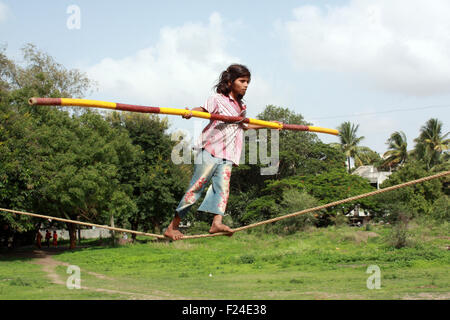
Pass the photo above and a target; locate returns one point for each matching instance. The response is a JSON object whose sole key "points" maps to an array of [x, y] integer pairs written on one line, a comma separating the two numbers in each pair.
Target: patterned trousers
{"points": [[214, 170]]}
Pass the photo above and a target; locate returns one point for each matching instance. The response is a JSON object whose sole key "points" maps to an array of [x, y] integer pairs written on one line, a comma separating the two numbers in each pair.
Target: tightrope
{"points": [[159, 236]]}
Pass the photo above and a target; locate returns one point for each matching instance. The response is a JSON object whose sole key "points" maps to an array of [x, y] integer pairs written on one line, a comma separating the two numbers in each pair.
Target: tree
{"points": [[40, 75], [367, 156], [300, 153], [431, 143], [349, 143], [418, 199], [398, 152], [294, 146], [46, 76], [52, 162], [330, 186], [76, 169], [156, 182]]}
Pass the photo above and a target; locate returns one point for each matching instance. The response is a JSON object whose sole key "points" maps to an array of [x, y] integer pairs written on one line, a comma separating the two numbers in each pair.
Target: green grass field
{"points": [[328, 263]]}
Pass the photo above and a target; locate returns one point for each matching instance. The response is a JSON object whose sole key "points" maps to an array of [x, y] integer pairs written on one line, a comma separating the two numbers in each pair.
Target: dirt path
{"points": [[45, 259]]}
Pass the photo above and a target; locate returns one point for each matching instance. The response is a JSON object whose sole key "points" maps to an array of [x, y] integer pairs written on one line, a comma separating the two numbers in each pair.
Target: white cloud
{"points": [[179, 70], [401, 46], [4, 12]]}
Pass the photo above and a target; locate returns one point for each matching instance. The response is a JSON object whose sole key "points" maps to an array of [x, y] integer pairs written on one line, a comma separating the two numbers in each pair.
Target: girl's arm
{"points": [[248, 126], [199, 109]]}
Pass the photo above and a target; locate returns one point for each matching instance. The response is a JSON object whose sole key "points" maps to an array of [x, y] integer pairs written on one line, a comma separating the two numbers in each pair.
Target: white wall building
{"points": [[375, 177]]}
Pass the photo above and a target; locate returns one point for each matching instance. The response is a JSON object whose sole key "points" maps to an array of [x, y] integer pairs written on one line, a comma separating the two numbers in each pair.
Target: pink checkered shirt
{"points": [[223, 140]]}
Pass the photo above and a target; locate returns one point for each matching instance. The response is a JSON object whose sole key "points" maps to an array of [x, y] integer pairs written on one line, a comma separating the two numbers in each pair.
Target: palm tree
{"points": [[398, 152], [349, 142], [366, 156], [431, 143]]}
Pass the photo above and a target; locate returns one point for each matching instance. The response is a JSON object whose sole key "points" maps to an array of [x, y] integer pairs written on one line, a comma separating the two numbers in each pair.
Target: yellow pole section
{"points": [[87, 103], [323, 130]]}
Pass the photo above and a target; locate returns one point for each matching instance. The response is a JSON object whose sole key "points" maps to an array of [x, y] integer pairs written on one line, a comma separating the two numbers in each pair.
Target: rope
{"points": [[328, 205], [83, 223]]}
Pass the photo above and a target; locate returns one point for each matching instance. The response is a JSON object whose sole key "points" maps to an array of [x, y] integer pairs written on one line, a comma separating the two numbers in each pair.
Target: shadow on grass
{"points": [[26, 253]]}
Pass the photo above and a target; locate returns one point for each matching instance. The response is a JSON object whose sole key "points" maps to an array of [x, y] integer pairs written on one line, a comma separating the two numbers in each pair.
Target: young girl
{"points": [[219, 149]]}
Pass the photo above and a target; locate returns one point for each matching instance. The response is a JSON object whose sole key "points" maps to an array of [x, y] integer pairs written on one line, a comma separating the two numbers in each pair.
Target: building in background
{"points": [[375, 177], [359, 216]]}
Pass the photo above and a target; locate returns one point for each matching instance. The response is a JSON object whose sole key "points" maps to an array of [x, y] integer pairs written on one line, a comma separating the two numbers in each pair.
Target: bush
{"points": [[294, 201], [399, 212], [247, 259], [441, 209], [418, 198], [228, 220], [340, 220], [199, 227], [399, 236], [400, 216]]}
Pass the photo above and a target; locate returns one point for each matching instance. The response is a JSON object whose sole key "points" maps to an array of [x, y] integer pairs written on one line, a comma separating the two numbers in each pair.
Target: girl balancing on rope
{"points": [[219, 149]]}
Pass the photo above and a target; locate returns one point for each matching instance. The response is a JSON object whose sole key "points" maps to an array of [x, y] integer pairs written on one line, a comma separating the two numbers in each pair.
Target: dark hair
{"points": [[228, 76]]}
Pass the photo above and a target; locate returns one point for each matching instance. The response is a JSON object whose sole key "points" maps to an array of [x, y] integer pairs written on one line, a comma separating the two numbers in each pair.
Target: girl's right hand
{"points": [[187, 116]]}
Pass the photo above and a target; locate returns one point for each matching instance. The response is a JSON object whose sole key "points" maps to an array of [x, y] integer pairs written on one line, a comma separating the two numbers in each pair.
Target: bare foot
{"points": [[220, 227], [173, 234], [172, 231]]}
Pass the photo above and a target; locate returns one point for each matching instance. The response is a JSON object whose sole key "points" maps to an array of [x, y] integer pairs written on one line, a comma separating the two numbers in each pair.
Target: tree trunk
{"points": [[113, 233], [79, 231], [156, 226], [134, 226], [72, 234]]}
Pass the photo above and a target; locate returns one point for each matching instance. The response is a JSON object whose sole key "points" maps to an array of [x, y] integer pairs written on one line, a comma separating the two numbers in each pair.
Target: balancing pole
{"points": [[173, 111]]}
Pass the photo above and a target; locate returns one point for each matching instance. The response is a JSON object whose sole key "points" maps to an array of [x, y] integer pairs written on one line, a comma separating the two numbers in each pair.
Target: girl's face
{"points": [[240, 85]]}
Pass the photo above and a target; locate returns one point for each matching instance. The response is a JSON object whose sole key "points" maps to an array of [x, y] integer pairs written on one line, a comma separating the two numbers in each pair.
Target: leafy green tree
{"points": [[52, 162], [46, 76], [294, 146], [76, 169], [440, 210], [157, 183], [418, 198], [40, 75], [300, 153], [336, 185], [326, 187]]}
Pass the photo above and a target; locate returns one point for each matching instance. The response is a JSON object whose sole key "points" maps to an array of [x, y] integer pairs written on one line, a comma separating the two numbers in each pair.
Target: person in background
{"points": [[48, 235], [55, 239], [38, 239]]}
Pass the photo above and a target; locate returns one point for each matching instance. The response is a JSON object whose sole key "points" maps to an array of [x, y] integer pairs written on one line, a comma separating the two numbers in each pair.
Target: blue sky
{"points": [[384, 65]]}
